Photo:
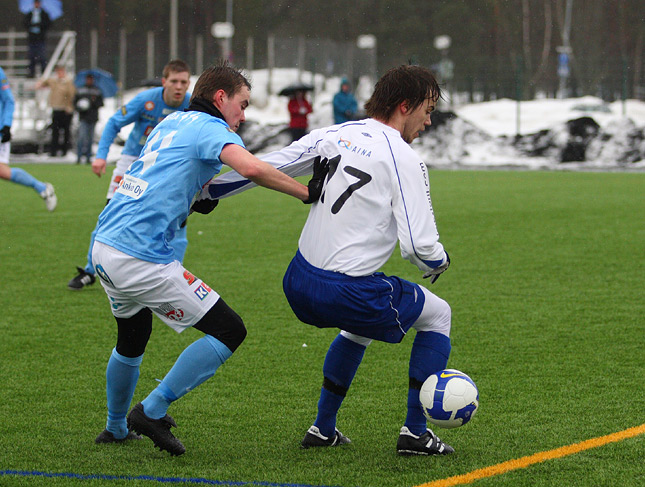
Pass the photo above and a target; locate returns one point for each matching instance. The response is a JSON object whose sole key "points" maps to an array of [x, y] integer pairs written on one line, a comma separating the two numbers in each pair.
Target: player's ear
{"points": [[404, 106], [218, 98]]}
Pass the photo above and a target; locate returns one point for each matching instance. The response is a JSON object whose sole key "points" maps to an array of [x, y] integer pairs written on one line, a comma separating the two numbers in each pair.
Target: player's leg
{"points": [[341, 363], [22, 177], [85, 276], [224, 333], [122, 373], [134, 324], [182, 301], [429, 354], [122, 166]]}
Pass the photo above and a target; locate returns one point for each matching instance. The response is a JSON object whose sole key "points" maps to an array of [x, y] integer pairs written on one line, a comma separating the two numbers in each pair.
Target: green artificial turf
{"points": [[546, 289]]}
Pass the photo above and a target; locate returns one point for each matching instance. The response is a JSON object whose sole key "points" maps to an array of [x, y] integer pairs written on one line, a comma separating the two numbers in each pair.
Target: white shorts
{"points": [[122, 165], [5, 150], [175, 295]]}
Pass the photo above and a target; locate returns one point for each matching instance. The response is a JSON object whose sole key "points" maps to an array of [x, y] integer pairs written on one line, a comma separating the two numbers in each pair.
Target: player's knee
{"points": [[224, 324], [134, 333], [436, 316]]}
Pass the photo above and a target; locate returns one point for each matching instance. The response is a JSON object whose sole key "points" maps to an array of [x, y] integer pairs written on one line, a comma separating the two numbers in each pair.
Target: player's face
{"points": [[417, 120], [175, 87], [232, 107]]}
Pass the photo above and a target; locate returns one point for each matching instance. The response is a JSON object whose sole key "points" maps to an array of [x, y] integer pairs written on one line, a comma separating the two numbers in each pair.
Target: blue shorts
{"points": [[376, 306]]}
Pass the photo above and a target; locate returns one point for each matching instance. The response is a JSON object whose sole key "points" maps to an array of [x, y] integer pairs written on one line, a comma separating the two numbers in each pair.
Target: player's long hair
{"points": [[175, 66], [220, 76], [407, 83]]}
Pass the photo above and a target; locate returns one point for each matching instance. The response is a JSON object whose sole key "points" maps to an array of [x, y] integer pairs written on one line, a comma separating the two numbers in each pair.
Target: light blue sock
{"points": [[341, 363], [429, 354], [20, 176], [122, 374], [197, 362]]}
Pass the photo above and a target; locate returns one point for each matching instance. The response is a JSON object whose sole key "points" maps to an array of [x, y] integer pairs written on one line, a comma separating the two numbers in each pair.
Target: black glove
{"points": [[6, 133], [434, 274], [204, 206], [321, 168]]}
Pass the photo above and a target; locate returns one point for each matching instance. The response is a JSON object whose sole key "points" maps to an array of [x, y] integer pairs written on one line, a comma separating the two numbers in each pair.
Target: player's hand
{"points": [[98, 166], [321, 168], [6, 133], [434, 274], [204, 206]]}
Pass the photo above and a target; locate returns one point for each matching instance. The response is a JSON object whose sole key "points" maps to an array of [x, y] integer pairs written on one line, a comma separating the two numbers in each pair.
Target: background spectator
{"points": [[345, 105], [299, 108], [37, 22], [87, 102], [61, 100]]}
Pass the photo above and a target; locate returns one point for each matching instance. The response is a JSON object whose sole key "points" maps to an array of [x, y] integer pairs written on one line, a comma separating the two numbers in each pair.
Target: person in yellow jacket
{"points": [[61, 101]]}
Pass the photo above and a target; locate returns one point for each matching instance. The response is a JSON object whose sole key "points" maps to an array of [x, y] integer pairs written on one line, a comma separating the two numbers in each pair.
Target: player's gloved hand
{"points": [[434, 274], [321, 168], [6, 133], [204, 206]]}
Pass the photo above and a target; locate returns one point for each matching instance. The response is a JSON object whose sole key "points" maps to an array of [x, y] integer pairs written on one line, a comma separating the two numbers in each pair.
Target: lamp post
{"points": [[564, 53]]}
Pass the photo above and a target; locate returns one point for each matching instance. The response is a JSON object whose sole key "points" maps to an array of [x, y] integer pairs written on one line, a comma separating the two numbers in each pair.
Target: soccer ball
{"points": [[449, 398]]}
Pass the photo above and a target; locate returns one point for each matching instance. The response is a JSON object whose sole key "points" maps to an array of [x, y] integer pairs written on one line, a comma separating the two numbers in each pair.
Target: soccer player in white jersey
{"points": [[137, 266], [15, 174], [378, 193], [144, 111]]}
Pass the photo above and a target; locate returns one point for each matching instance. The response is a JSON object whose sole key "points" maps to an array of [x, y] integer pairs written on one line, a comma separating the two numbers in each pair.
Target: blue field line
{"points": [[151, 478]]}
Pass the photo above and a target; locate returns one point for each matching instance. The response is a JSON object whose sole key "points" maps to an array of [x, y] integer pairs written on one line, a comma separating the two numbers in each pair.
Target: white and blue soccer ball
{"points": [[449, 398]]}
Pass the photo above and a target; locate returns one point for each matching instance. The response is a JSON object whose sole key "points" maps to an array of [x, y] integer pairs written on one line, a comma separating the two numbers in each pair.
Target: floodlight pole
{"points": [[173, 29], [565, 52], [229, 20]]}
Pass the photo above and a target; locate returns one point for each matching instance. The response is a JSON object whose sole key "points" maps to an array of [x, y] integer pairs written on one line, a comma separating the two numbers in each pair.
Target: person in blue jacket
{"points": [[15, 174], [345, 105], [145, 111]]}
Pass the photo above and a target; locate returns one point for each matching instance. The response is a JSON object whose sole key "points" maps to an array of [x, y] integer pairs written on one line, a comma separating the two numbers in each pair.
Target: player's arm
{"points": [[8, 104], [294, 160], [261, 173], [127, 114], [416, 226]]}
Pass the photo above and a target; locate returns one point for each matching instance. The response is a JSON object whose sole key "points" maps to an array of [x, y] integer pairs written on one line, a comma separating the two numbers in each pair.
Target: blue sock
{"points": [[20, 176], [429, 354], [341, 363], [197, 362], [122, 374]]}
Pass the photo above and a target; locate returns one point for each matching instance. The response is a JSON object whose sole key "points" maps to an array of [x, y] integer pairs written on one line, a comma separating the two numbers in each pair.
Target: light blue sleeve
{"points": [[7, 103], [126, 115]]}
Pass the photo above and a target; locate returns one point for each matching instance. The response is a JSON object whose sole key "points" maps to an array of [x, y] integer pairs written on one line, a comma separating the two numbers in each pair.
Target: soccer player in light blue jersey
{"points": [[138, 267], [145, 111], [14, 174]]}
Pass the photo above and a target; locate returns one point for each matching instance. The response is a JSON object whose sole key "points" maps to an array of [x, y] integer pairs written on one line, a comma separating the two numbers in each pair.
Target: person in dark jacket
{"points": [[87, 102], [37, 23]]}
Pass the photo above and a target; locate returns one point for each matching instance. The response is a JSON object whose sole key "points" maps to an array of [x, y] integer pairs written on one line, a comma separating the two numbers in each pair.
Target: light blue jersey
{"points": [[145, 110], [180, 156], [6, 101]]}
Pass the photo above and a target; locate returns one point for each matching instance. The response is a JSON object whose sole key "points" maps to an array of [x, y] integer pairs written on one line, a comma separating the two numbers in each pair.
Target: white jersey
{"points": [[379, 193]]}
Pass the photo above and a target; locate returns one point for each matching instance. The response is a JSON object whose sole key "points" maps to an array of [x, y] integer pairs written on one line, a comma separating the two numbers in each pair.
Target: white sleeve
{"points": [[412, 206], [294, 160]]}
